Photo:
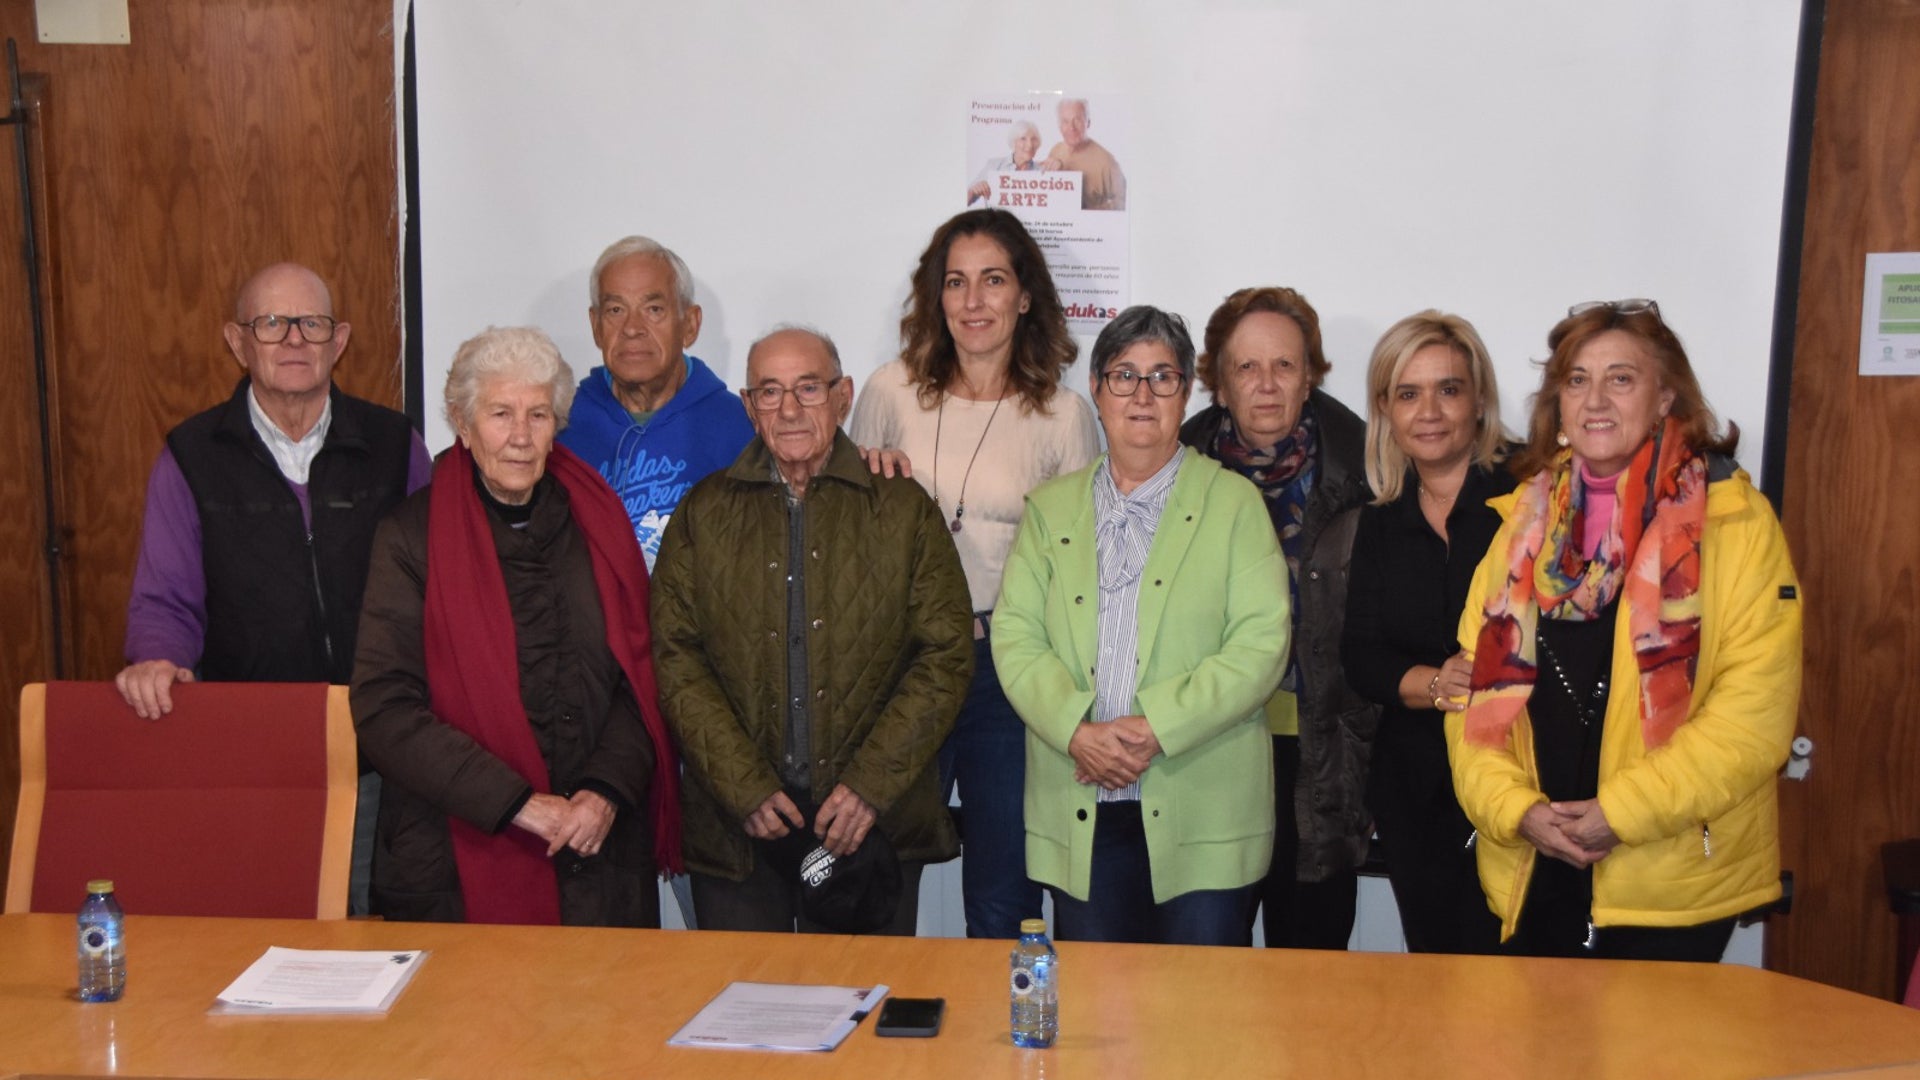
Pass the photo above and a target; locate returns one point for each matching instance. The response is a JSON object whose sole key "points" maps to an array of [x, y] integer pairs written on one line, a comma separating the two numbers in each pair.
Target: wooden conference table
{"points": [[561, 1002]]}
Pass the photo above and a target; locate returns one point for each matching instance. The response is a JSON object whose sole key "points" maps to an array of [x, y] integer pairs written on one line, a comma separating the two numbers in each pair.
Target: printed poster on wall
{"points": [[1056, 160], [1890, 315]]}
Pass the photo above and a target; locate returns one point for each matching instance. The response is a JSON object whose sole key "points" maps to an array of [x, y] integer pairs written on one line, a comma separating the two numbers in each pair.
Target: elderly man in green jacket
{"points": [[813, 640]]}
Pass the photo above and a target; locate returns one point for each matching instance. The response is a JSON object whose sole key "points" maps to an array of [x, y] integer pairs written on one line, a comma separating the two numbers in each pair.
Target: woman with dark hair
{"points": [[1635, 639], [1435, 449], [975, 404], [1142, 622], [1271, 423]]}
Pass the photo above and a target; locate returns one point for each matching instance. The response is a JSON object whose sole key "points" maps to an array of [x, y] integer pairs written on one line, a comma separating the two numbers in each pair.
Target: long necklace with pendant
{"points": [[960, 507]]}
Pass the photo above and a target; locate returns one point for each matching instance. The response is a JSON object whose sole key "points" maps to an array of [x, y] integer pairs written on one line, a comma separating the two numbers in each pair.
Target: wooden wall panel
{"points": [[26, 590], [1852, 511], [227, 135]]}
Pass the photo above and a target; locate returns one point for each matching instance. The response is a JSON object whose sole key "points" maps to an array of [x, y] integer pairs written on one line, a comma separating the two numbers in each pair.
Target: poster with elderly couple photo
{"points": [[1054, 160]]}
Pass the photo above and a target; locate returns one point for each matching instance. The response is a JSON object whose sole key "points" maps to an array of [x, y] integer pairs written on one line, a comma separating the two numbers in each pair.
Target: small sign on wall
{"points": [[81, 22], [1890, 314]]}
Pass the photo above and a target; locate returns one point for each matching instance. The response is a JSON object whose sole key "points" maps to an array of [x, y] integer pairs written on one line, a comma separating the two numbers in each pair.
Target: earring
{"points": [[1562, 439]]}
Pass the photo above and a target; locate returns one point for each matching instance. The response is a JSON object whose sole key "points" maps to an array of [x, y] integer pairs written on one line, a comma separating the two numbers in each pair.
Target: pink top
{"points": [[1600, 503]]}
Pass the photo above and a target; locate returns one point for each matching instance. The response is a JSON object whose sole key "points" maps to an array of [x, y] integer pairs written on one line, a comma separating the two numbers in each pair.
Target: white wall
{"points": [[1497, 159], [1501, 160]]}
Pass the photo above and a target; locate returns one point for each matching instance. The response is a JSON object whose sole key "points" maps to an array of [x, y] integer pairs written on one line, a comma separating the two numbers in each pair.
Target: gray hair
{"points": [[641, 245], [833, 351], [1020, 126], [1143, 323], [515, 353], [1085, 109]]}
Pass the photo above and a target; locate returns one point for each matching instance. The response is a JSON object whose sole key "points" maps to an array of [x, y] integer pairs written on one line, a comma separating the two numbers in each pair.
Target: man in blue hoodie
{"points": [[652, 419]]}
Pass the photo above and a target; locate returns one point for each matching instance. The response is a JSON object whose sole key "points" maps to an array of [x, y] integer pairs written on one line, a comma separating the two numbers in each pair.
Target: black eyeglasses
{"points": [[1162, 382], [808, 392], [1633, 306], [273, 329]]}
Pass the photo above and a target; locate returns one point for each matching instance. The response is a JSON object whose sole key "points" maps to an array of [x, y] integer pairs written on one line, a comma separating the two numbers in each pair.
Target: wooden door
{"points": [[1852, 511], [224, 137]]}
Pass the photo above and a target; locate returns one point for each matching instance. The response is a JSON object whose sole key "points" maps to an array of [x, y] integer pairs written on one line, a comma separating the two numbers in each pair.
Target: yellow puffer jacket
{"points": [[1698, 818]]}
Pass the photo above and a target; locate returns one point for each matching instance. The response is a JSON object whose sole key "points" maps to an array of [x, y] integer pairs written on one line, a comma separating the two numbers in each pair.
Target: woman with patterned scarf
{"points": [[1271, 423], [1635, 631]]}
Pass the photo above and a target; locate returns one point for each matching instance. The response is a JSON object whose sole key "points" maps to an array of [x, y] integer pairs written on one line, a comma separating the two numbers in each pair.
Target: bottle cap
{"points": [[100, 885], [1027, 926]]}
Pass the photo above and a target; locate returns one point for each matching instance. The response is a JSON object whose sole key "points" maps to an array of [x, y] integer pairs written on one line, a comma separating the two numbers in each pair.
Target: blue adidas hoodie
{"points": [[700, 430]]}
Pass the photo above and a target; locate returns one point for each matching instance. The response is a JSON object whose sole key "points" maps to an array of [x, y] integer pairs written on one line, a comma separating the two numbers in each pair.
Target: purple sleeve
{"points": [[419, 465], [167, 613]]}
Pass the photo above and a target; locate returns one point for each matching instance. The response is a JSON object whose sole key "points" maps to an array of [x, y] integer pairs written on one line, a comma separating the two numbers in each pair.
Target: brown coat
{"points": [[584, 719]]}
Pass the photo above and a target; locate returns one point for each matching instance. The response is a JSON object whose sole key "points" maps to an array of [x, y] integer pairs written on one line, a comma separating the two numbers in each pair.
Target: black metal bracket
{"points": [[30, 253]]}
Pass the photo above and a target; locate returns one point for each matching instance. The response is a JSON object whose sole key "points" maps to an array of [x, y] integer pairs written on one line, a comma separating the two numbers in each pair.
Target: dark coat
{"points": [[1404, 607], [579, 704], [1336, 724], [889, 656]]}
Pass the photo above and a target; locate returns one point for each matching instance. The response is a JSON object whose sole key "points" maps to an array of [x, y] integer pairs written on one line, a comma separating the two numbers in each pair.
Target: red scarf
{"points": [[473, 673]]}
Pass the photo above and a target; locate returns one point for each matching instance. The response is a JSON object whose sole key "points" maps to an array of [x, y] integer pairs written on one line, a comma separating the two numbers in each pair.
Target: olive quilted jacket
{"points": [[890, 652]]}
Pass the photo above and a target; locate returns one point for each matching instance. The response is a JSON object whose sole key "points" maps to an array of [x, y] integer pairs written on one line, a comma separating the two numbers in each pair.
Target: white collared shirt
{"points": [[294, 456]]}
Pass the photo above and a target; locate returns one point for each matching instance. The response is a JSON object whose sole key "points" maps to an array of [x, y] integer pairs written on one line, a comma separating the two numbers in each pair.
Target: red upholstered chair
{"points": [[240, 802]]}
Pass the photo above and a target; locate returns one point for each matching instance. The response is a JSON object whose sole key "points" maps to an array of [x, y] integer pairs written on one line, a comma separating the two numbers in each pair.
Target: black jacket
{"points": [[1336, 724], [1404, 608], [283, 600]]}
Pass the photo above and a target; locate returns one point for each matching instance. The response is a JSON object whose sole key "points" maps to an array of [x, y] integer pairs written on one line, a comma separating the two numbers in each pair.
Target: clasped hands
{"points": [[1576, 833], [580, 822], [842, 823], [1114, 754]]}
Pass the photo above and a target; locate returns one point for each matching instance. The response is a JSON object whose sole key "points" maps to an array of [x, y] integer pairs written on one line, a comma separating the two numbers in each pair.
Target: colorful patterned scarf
{"points": [[1651, 553], [1285, 476]]}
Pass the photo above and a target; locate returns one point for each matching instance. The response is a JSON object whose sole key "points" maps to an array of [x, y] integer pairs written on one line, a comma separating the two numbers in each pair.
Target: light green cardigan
{"points": [[1213, 631]]}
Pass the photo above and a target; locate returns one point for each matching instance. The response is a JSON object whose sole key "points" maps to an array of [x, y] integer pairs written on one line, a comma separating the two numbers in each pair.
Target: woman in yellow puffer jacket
{"points": [[1635, 641]]}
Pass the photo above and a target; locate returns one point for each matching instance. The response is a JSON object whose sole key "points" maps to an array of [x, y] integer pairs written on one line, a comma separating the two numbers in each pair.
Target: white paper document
{"points": [[777, 1016], [291, 981]]}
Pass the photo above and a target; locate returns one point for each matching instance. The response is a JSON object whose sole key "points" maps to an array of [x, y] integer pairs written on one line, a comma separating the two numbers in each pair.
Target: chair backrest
{"points": [[239, 802]]}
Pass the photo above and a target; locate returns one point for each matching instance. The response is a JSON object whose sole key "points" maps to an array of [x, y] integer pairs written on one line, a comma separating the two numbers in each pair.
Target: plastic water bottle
{"points": [[1035, 987], [103, 953]]}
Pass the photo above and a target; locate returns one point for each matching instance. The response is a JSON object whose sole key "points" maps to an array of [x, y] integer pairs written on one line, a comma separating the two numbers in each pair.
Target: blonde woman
{"points": [[1434, 457]]}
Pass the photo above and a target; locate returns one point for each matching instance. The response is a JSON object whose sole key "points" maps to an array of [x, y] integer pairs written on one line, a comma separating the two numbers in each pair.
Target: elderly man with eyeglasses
{"points": [[813, 640], [260, 511]]}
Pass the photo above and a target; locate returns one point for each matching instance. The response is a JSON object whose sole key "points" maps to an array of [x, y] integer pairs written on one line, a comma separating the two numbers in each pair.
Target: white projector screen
{"points": [[1501, 160]]}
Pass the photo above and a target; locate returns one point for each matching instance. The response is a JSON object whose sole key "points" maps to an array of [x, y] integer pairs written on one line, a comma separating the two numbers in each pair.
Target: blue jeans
{"points": [[986, 754], [1120, 907]]}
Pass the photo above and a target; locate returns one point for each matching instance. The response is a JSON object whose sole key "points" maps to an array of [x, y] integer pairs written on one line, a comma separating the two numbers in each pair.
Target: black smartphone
{"points": [[910, 1018]]}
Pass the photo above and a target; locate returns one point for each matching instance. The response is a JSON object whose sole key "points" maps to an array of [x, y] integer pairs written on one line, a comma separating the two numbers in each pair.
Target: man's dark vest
{"points": [[283, 603]]}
